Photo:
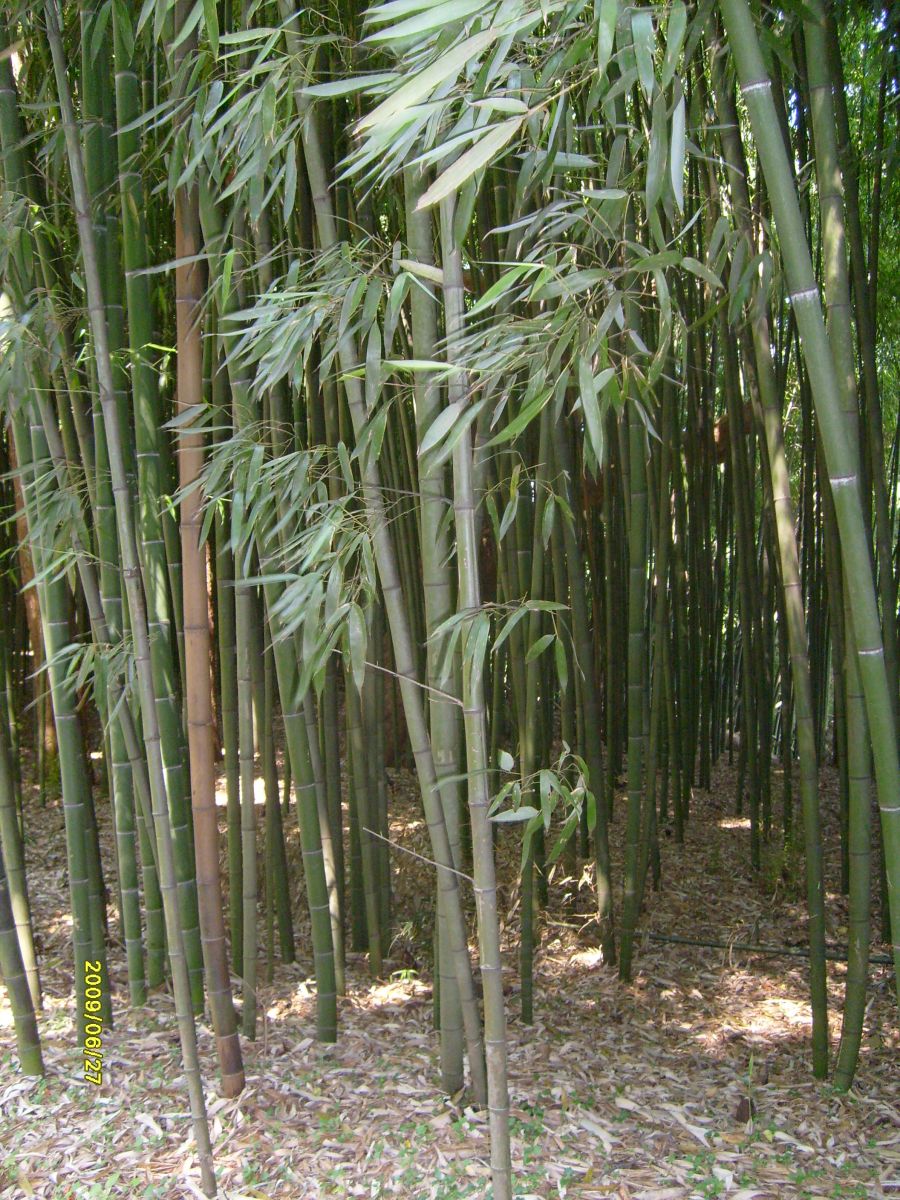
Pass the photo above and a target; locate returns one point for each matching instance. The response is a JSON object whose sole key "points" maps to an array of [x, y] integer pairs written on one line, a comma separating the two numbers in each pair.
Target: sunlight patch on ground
{"points": [[776, 1010], [747, 1014], [394, 991], [734, 823], [588, 958], [259, 794]]}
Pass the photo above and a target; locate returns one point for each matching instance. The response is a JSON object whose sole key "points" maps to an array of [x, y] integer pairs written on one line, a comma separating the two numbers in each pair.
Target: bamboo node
{"points": [[810, 293]]}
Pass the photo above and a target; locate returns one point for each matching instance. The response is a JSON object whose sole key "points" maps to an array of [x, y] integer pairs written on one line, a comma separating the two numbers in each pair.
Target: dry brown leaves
{"points": [[691, 1081]]}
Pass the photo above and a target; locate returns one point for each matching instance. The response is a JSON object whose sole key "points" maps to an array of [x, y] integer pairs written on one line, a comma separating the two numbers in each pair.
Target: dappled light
{"points": [[697, 1071]]}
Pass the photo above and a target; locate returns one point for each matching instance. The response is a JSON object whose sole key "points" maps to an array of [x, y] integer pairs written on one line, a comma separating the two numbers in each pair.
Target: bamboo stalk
{"points": [[14, 976], [791, 584], [198, 684], [476, 740], [12, 852], [434, 542]]}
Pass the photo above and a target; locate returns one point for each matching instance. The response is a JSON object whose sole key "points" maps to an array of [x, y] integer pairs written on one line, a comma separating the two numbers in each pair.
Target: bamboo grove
{"points": [[502, 384]]}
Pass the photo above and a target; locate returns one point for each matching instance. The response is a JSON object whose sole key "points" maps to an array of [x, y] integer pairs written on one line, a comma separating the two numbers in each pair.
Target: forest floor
{"points": [[693, 1080]]}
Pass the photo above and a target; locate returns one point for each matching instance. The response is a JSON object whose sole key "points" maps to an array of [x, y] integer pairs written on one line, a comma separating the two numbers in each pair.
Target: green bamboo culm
{"points": [[54, 606], [139, 308], [15, 979], [637, 596], [780, 484], [533, 739], [444, 724], [474, 722], [111, 689], [12, 852], [844, 348]]}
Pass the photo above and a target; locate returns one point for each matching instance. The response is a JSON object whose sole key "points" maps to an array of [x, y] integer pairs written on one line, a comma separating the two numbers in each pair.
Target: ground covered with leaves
{"points": [[692, 1081]]}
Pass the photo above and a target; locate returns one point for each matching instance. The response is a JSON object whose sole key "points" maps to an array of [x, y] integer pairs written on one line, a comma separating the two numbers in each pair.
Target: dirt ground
{"points": [[693, 1080]]}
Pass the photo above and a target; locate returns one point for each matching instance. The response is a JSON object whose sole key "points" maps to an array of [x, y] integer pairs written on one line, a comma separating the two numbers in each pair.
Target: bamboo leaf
{"points": [[538, 647], [562, 666], [187, 27], [607, 18], [701, 271], [677, 154], [527, 835], [508, 627], [509, 516], [470, 161], [504, 104], [211, 20], [440, 427], [510, 816], [593, 420], [423, 270], [475, 646], [352, 301], [656, 158], [425, 82], [436, 16], [268, 114], [225, 287], [346, 468], [124, 24], [524, 418], [391, 10], [99, 33], [290, 182], [417, 366], [644, 44], [357, 639], [547, 519], [346, 87], [448, 652], [502, 287], [675, 29], [440, 454], [565, 836], [571, 284], [546, 788]]}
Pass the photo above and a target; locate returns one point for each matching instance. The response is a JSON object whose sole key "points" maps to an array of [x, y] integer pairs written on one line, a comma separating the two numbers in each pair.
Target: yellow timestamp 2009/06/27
{"points": [[93, 1027]]}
